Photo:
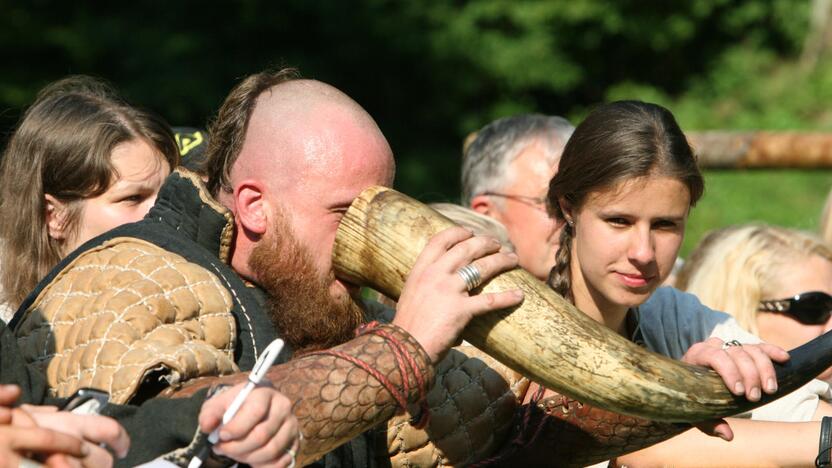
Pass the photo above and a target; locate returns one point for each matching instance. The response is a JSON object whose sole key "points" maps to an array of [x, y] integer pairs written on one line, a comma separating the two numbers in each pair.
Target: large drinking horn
{"points": [[546, 338]]}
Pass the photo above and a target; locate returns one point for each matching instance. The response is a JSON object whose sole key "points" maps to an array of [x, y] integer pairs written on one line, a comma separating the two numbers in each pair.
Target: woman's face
{"points": [[140, 171], [626, 240], [802, 275]]}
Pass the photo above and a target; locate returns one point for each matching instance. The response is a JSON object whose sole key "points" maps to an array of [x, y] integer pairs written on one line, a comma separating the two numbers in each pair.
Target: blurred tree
{"points": [[432, 71]]}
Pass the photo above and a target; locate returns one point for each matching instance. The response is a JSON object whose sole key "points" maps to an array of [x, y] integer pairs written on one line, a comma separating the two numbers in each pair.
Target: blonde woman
{"points": [[776, 282]]}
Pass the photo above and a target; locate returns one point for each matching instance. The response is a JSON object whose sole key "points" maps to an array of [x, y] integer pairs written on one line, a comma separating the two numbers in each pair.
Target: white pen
{"points": [[260, 368]]}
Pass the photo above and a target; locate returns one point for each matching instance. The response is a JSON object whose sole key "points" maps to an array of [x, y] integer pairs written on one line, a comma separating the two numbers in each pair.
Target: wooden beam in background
{"points": [[762, 149]]}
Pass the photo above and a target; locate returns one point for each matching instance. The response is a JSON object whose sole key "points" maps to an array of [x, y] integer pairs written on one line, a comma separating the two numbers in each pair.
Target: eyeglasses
{"points": [[810, 308], [535, 202]]}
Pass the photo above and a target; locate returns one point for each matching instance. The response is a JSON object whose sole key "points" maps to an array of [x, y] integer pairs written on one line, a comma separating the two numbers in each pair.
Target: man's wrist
{"points": [[415, 347]]}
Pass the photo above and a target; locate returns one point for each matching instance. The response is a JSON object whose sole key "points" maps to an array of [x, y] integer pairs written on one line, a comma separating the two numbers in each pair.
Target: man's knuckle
{"points": [[261, 436], [490, 300], [281, 402]]}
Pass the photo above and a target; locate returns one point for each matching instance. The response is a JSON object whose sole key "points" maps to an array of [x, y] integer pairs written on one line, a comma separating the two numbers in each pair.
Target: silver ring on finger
{"points": [[731, 344], [292, 456], [471, 276]]}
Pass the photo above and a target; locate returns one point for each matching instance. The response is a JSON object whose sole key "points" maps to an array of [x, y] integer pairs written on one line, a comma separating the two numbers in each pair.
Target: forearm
{"points": [[755, 444], [336, 399], [340, 393]]}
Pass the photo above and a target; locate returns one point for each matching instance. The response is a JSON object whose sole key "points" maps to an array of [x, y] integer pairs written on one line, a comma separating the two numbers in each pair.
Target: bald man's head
{"points": [[288, 157], [275, 102], [304, 130]]}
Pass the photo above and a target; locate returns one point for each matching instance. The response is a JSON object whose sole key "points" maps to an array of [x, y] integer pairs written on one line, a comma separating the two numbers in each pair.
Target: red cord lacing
{"points": [[405, 363]]}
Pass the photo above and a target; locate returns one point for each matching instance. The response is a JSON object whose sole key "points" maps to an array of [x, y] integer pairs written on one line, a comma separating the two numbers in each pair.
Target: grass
{"points": [[791, 198]]}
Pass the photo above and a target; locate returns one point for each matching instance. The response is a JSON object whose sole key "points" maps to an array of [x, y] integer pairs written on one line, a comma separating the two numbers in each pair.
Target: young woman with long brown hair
{"points": [[624, 188], [81, 162]]}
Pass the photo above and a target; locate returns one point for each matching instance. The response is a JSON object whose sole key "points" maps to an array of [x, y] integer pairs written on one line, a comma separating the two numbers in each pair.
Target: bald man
{"points": [[210, 277]]}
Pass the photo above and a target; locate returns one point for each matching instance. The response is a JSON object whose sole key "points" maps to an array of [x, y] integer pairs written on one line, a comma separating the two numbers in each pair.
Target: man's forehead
{"points": [[346, 172], [330, 169], [532, 168], [537, 156]]}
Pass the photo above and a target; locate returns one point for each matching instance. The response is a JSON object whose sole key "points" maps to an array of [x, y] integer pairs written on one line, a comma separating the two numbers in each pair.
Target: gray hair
{"points": [[480, 224], [485, 160]]}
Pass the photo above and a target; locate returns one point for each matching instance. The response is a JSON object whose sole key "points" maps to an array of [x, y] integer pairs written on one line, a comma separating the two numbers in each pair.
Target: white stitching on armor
{"points": [[153, 348], [242, 308], [134, 253], [119, 316]]}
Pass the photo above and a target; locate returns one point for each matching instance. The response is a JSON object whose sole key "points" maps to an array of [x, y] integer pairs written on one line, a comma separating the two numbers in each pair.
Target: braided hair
{"points": [[617, 142]]}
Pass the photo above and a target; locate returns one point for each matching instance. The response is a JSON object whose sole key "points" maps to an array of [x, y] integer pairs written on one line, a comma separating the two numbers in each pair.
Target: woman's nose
{"points": [[642, 251]]}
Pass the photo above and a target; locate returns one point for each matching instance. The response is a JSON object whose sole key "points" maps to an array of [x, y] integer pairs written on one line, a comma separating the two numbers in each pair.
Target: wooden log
{"points": [[762, 149], [545, 338]]}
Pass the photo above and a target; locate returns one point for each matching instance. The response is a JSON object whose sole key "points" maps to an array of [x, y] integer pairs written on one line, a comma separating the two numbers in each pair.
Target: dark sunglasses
{"points": [[811, 308]]}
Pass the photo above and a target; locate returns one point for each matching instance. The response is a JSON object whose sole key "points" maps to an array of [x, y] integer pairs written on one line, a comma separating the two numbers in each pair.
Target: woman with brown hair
{"points": [[624, 188], [81, 162]]}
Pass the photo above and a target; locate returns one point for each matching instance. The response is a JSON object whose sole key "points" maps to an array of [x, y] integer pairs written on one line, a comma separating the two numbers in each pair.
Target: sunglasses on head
{"points": [[811, 308]]}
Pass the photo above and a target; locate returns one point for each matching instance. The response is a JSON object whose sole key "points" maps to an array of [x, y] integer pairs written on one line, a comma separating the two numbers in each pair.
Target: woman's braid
{"points": [[560, 277]]}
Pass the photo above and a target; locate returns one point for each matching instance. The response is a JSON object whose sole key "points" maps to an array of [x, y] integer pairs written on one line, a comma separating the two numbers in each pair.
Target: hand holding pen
{"points": [[252, 422]]}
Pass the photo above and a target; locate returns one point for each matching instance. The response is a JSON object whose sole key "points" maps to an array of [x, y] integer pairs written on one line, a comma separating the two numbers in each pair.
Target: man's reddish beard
{"points": [[306, 315]]}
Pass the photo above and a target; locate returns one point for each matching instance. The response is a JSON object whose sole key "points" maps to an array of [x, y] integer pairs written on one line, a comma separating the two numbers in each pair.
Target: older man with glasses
{"points": [[506, 170]]}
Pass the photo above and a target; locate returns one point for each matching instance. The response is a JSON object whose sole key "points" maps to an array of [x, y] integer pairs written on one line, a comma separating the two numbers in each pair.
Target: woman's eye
{"points": [[664, 225], [132, 199], [618, 221]]}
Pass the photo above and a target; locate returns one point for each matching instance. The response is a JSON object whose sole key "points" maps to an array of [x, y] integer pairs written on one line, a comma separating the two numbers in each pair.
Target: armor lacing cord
{"points": [[405, 363], [520, 442]]}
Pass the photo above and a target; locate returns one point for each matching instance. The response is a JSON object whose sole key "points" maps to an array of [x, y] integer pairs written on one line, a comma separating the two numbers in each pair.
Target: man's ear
{"points": [[483, 204], [250, 207], [56, 212]]}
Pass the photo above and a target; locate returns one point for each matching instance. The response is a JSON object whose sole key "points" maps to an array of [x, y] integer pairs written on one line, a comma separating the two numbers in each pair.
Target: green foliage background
{"points": [[432, 71]]}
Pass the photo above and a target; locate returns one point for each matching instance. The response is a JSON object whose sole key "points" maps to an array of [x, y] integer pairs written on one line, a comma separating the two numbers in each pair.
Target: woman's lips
{"points": [[634, 280]]}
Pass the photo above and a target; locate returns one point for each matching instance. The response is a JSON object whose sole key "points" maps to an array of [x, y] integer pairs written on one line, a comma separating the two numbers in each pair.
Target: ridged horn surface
{"points": [[546, 338]]}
